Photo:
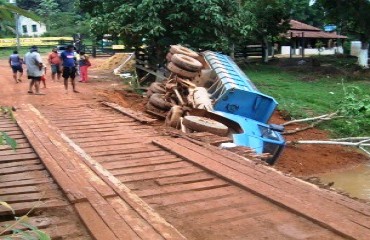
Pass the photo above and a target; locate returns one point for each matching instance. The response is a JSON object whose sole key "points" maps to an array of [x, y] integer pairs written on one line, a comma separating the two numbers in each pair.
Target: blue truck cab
{"points": [[236, 98]]}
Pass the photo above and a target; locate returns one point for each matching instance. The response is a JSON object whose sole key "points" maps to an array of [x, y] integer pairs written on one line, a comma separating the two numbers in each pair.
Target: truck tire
{"points": [[157, 87], [181, 72], [183, 50], [158, 101], [186, 62], [151, 107], [149, 93], [173, 117], [202, 124], [169, 56]]}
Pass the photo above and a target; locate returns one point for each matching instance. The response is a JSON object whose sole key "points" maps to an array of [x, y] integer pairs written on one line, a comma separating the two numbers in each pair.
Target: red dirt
{"points": [[301, 161], [307, 160]]}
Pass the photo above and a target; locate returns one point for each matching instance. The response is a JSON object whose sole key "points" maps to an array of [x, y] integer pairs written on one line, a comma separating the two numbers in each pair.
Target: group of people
{"points": [[66, 65]]}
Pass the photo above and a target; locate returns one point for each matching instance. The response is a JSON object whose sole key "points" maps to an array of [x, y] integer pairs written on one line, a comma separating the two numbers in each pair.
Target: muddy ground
{"points": [[301, 161]]}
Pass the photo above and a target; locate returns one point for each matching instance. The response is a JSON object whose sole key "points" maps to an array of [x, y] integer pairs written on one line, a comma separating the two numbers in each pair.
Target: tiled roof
{"points": [[295, 25], [312, 34], [298, 30]]}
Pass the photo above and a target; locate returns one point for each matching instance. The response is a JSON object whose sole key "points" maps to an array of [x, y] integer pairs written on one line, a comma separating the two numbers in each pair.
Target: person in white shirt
{"points": [[35, 71]]}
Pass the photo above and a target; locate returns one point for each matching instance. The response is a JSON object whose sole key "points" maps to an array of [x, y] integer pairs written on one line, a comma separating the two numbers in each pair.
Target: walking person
{"points": [[54, 62], [15, 62], [84, 64], [69, 67], [34, 69]]}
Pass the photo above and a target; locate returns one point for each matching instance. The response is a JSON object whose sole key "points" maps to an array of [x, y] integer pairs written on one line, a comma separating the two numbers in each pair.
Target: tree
{"points": [[210, 24], [352, 16], [48, 10], [270, 18], [7, 12], [303, 11]]}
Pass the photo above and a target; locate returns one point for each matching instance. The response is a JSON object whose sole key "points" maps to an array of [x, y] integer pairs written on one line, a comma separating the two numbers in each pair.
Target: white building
{"points": [[28, 27]]}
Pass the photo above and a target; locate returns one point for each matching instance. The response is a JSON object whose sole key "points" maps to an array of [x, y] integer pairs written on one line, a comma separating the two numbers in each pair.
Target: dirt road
{"points": [[128, 180]]}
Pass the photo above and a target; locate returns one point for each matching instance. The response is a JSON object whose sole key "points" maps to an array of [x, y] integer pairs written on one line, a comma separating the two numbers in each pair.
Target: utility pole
{"points": [[16, 17]]}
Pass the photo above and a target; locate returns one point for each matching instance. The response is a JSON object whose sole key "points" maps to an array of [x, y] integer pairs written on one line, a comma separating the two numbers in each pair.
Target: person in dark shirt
{"points": [[15, 62], [68, 61]]}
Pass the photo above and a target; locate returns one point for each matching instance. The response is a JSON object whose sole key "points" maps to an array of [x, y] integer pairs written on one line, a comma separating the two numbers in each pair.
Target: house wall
{"points": [[28, 27], [285, 50]]}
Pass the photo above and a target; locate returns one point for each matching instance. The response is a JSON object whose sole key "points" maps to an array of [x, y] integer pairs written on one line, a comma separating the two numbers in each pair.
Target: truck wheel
{"points": [[202, 124], [169, 56], [181, 72], [158, 101], [186, 62], [149, 93], [183, 50], [151, 107], [173, 117], [157, 87]]}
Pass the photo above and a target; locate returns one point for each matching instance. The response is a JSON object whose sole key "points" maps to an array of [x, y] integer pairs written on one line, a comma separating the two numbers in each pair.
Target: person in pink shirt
{"points": [[54, 61], [84, 64]]}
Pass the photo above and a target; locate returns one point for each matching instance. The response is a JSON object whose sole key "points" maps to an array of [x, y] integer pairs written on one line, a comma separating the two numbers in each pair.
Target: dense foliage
{"points": [[212, 24], [352, 17], [62, 17], [7, 12]]}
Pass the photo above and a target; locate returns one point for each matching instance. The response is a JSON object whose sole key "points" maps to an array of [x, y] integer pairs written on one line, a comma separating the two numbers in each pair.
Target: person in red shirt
{"points": [[55, 62]]}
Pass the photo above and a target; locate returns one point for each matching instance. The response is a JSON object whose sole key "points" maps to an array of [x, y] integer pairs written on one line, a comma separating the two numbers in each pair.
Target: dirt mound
{"points": [[116, 60], [309, 160]]}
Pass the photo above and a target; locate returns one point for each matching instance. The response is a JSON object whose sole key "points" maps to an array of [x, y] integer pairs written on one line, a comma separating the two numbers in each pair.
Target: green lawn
{"points": [[6, 52], [301, 97]]}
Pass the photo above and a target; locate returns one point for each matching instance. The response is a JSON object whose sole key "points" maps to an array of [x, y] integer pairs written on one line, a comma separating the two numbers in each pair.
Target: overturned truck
{"points": [[208, 92]]}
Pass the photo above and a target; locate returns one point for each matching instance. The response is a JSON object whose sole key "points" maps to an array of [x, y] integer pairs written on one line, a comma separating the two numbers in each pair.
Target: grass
{"points": [[6, 52], [299, 97]]}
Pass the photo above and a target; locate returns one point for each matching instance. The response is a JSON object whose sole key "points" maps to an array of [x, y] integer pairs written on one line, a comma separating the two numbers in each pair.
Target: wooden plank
{"points": [[27, 182], [122, 147], [21, 144], [28, 197], [91, 122], [23, 176], [132, 156], [135, 156], [20, 163], [131, 113], [123, 138], [67, 161], [27, 189], [110, 216], [160, 174], [196, 177], [104, 125], [156, 221], [94, 223], [150, 168], [128, 132], [102, 130], [27, 156], [328, 220], [197, 186], [20, 169], [123, 152], [140, 162], [67, 185], [24, 207], [183, 198], [142, 228]]}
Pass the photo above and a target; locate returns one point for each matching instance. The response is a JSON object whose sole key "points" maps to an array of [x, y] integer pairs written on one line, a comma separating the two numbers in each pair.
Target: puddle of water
{"points": [[354, 181]]}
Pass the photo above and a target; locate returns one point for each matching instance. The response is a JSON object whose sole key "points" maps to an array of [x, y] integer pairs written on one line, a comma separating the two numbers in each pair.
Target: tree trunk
{"points": [[265, 57], [363, 55]]}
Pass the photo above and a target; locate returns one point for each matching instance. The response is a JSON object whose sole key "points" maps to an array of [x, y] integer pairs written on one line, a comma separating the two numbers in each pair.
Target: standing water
{"points": [[354, 181]]}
